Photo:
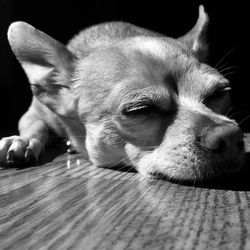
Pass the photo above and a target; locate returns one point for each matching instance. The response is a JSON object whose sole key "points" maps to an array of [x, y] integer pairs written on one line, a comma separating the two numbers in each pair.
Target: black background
{"points": [[229, 31]]}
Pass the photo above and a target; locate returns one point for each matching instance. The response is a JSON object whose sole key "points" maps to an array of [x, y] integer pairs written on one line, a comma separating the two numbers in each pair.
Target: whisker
{"points": [[236, 113], [221, 60], [114, 164], [180, 182], [111, 164], [229, 110], [130, 168], [222, 66], [244, 119], [230, 73], [124, 167], [231, 67]]}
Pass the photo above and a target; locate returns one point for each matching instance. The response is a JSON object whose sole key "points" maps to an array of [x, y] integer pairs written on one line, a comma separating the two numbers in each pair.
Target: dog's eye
{"points": [[217, 94], [138, 109]]}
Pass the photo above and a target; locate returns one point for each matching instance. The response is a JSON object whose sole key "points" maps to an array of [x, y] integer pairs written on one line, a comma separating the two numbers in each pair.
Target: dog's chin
{"points": [[200, 166], [193, 173], [185, 165]]}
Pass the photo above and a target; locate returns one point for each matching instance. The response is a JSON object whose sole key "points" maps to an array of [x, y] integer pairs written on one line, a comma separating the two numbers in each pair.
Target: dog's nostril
{"points": [[213, 143], [220, 147], [226, 140]]}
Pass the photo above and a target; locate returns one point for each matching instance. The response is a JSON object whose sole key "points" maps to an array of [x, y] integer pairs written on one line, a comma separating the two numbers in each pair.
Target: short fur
{"points": [[125, 94]]}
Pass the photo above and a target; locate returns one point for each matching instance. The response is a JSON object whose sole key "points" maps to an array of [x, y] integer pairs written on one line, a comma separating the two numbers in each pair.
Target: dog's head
{"points": [[148, 101]]}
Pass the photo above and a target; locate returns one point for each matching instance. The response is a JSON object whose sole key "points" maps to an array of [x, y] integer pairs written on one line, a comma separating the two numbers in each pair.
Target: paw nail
{"points": [[28, 154], [10, 157]]}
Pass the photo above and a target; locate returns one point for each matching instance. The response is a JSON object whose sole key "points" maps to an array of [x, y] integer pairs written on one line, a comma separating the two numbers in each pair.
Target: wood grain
{"points": [[66, 203]]}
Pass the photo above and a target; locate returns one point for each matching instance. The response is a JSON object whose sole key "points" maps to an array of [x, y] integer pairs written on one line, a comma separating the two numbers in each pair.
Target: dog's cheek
{"points": [[103, 144], [142, 132], [135, 155]]}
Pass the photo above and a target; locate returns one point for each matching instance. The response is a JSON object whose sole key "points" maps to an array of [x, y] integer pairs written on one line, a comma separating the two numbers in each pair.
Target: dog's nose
{"points": [[225, 140]]}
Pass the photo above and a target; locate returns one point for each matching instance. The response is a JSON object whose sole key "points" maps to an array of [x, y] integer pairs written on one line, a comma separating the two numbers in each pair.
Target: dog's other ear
{"points": [[46, 62], [195, 39]]}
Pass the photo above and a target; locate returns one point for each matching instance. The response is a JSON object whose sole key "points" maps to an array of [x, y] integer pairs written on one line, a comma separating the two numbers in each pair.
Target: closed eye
{"points": [[217, 94], [138, 109]]}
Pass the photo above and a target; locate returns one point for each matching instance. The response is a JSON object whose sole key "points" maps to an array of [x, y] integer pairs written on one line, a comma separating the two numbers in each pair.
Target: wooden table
{"points": [[65, 203]]}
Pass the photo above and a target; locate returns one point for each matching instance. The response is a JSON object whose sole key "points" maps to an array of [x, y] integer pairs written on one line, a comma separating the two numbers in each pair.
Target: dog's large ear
{"points": [[195, 39], [46, 62]]}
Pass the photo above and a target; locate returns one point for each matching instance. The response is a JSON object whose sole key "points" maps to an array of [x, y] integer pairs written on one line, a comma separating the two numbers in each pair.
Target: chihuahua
{"points": [[124, 94]]}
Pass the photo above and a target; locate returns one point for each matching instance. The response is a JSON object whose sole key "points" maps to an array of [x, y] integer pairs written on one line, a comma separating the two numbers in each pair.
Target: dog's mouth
{"points": [[200, 167], [202, 173]]}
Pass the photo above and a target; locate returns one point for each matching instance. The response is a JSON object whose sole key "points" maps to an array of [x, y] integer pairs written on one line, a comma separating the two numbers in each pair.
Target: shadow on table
{"points": [[236, 181]]}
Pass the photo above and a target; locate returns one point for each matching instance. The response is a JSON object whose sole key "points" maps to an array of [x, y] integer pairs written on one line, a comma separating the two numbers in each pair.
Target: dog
{"points": [[124, 94]]}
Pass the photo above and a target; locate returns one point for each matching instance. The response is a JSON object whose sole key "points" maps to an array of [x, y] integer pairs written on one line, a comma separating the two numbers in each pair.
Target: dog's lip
{"points": [[209, 173]]}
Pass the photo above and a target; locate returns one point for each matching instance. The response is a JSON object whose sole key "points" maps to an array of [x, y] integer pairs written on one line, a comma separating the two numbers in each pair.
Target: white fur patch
{"points": [[151, 46], [190, 103]]}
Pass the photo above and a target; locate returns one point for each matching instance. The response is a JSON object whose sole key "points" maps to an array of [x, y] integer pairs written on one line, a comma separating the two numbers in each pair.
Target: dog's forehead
{"points": [[167, 54], [151, 58], [159, 60], [160, 55], [152, 47], [144, 62], [159, 47]]}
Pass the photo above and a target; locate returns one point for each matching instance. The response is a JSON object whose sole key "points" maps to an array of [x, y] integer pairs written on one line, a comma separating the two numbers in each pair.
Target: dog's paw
{"points": [[16, 149]]}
